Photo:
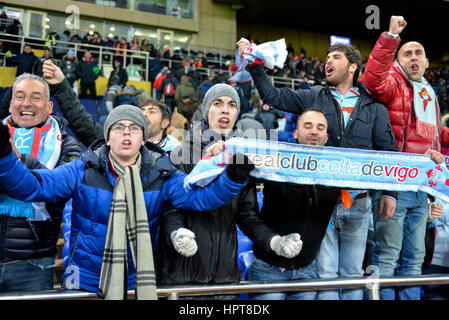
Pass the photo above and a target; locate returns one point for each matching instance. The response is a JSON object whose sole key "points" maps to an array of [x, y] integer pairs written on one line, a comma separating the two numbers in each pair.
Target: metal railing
{"points": [[106, 54], [173, 293], [100, 52]]}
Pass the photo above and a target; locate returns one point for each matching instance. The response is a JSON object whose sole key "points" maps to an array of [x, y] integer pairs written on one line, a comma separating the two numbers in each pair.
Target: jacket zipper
{"points": [[403, 139], [74, 248]]}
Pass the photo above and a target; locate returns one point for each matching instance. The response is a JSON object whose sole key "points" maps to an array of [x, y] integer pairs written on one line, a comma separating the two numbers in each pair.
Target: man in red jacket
{"points": [[415, 118]]}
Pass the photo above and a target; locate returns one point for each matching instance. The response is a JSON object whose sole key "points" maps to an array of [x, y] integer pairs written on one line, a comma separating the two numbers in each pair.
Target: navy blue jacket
{"points": [[368, 127], [24, 63]]}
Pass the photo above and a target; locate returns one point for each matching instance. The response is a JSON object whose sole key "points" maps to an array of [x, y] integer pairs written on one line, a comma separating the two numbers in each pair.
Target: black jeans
{"points": [[92, 89]]}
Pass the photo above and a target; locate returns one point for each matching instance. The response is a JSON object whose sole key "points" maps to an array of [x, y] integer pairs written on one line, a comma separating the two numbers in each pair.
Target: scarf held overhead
{"points": [[329, 166], [127, 220], [43, 143]]}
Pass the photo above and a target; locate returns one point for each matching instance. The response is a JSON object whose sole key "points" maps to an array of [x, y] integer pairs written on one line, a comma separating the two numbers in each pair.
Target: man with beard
{"points": [[355, 120]]}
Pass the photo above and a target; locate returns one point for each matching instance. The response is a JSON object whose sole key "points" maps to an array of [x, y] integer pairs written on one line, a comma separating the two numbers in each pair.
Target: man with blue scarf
{"points": [[29, 231]]}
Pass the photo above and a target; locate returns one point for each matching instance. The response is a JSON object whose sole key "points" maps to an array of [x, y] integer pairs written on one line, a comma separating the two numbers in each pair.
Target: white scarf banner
{"points": [[329, 166]]}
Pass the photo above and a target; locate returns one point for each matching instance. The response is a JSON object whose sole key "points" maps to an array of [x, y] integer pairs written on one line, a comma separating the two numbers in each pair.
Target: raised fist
{"points": [[397, 24], [51, 72], [242, 44]]}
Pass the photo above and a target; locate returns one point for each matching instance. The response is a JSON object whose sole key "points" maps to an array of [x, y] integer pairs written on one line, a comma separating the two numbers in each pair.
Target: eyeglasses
{"points": [[120, 128]]}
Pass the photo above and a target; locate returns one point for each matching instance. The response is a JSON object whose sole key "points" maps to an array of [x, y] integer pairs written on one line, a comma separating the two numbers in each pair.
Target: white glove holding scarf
{"points": [[184, 242], [287, 246]]}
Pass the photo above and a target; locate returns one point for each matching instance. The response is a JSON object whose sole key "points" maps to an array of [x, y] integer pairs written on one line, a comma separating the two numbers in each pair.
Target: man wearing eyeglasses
{"points": [[119, 189]]}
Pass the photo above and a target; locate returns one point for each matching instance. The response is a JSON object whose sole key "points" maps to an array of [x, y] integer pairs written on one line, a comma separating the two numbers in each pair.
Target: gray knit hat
{"points": [[126, 112], [218, 90]]}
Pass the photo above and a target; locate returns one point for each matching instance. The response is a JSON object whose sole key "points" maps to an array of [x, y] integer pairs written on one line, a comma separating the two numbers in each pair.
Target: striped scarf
{"points": [[127, 220]]}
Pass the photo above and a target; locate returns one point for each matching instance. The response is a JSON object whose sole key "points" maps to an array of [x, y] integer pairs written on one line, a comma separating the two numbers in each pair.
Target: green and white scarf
{"points": [[127, 220]]}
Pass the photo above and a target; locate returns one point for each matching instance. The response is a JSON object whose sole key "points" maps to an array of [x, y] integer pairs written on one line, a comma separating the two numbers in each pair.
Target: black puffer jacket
{"points": [[21, 239], [292, 208], [215, 231]]}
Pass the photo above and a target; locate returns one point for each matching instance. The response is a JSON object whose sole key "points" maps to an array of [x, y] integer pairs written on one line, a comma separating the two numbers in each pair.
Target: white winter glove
{"points": [[287, 246], [184, 242]]}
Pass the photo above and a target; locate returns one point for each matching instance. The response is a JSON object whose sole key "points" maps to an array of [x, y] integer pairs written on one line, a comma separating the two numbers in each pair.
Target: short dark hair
{"points": [[165, 111], [352, 54], [313, 110]]}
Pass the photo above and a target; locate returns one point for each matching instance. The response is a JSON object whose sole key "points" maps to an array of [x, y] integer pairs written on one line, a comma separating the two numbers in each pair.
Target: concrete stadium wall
{"points": [[214, 25]]}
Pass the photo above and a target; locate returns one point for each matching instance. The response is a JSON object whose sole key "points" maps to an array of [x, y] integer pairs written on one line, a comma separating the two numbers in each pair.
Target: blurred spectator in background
{"points": [[201, 61], [183, 89], [62, 48], [304, 85], [3, 20], [134, 44], [87, 70], [168, 90], [166, 54], [220, 76], [437, 247], [118, 75], [37, 67], [154, 67], [119, 54], [268, 117], [15, 28], [24, 61], [68, 66], [250, 127], [186, 106], [96, 39], [51, 41]]}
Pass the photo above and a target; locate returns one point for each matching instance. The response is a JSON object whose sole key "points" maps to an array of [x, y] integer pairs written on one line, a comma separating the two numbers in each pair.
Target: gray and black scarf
{"points": [[127, 220]]}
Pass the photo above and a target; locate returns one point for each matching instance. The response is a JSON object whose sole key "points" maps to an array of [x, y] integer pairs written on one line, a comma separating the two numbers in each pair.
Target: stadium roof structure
{"points": [[427, 20]]}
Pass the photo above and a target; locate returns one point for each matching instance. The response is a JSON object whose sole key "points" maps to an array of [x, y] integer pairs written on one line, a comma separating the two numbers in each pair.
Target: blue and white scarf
{"points": [[329, 166], [43, 143], [425, 107], [270, 54]]}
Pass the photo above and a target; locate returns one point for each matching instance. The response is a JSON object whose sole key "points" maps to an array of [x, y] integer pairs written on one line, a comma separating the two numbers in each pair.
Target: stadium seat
{"points": [[8, 75], [91, 107]]}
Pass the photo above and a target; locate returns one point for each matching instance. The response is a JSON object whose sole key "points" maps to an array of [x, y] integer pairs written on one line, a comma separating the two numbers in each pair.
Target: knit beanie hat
{"points": [[126, 112], [219, 90]]}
